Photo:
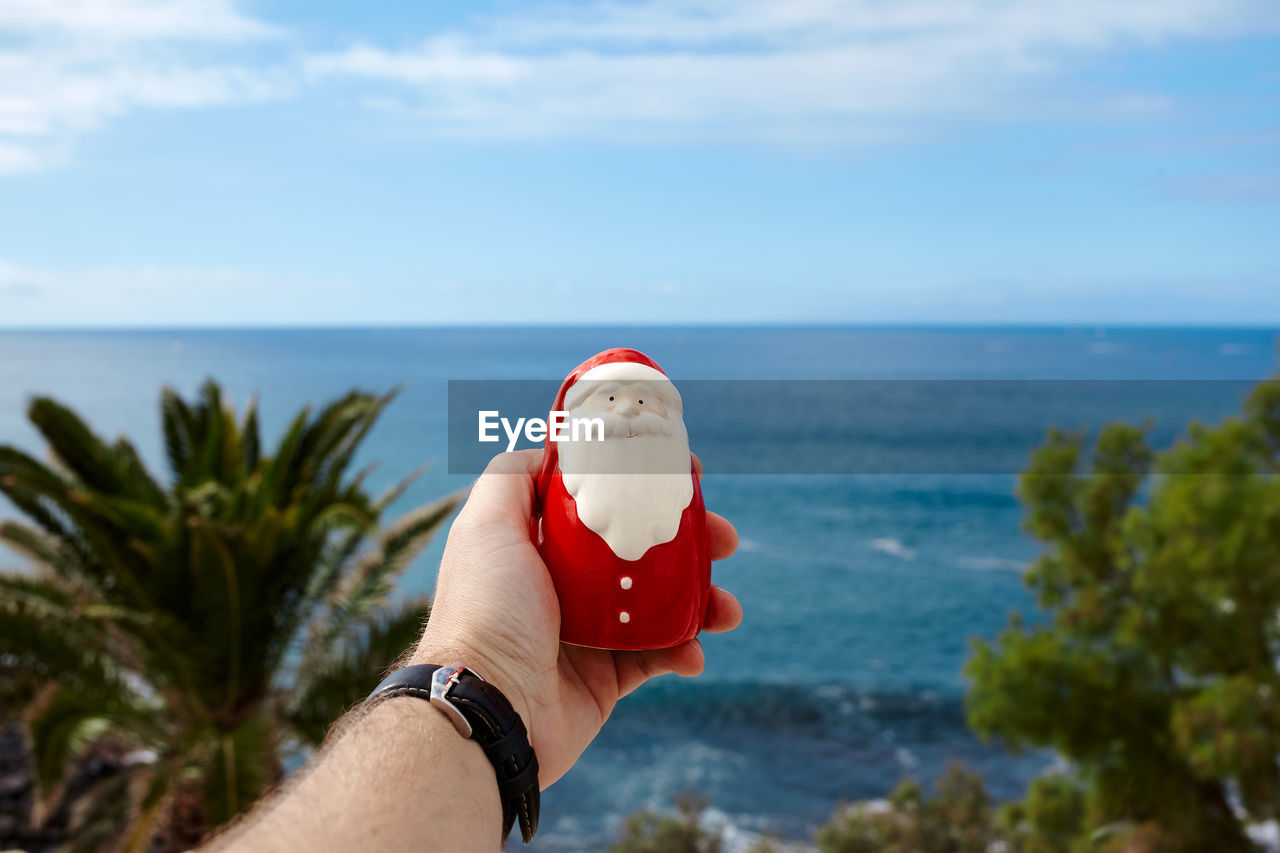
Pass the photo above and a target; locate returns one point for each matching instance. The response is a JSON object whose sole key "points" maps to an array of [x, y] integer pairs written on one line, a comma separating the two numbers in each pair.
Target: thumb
{"points": [[504, 493]]}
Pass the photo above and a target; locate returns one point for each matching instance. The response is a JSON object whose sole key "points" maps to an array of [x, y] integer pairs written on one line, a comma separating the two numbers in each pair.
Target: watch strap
{"points": [[481, 712]]}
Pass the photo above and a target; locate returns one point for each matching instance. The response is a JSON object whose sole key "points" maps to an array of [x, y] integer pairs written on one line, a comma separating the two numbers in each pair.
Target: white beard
{"points": [[630, 509]]}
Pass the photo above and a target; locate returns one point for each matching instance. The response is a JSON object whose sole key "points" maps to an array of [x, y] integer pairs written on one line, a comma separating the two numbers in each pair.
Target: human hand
{"points": [[495, 609]]}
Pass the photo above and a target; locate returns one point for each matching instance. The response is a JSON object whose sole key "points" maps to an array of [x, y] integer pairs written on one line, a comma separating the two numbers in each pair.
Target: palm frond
{"points": [[345, 528], [348, 674], [251, 443], [242, 767], [393, 494], [75, 446], [220, 609], [138, 483], [340, 428], [410, 533], [371, 577], [50, 557], [43, 641], [39, 595], [88, 524], [213, 443], [278, 482], [63, 726], [42, 495], [178, 424], [129, 518], [102, 813], [159, 789], [114, 470]]}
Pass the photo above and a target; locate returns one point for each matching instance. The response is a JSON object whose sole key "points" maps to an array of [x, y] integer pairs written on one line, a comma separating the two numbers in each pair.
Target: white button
{"points": [[625, 583], [624, 617]]}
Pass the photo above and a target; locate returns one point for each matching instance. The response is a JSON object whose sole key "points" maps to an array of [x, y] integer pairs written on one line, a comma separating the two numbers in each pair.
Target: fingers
{"points": [[686, 660], [724, 539], [635, 668], [724, 612], [722, 535]]}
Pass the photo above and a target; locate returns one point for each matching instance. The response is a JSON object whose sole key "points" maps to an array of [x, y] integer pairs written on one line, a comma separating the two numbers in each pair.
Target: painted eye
{"points": [[641, 402], [610, 399]]}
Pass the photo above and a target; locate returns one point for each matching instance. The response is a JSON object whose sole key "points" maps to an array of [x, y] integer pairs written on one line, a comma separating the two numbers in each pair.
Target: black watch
{"points": [[480, 712]]}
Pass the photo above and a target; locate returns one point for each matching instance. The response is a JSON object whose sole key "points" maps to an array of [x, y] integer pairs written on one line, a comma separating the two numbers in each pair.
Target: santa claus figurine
{"points": [[623, 529]]}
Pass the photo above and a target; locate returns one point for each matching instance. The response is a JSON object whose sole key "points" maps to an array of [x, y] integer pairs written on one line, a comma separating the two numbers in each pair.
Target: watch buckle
{"points": [[441, 681]]}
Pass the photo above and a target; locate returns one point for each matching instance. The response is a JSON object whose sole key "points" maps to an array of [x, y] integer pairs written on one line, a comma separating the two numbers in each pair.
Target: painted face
{"points": [[629, 409]]}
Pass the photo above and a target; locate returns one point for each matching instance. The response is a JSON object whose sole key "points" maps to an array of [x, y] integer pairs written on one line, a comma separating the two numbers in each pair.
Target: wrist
{"points": [[420, 725], [418, 734], [434, 649], [396, 752], [482, 713]]}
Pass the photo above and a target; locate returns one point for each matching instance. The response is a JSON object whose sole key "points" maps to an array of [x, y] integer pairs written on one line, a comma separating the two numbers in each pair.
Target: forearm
{"points": [[399, 778]]}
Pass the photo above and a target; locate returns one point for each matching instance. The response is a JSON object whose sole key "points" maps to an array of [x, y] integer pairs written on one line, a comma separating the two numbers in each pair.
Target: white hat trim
{"points": [[624, 371]]}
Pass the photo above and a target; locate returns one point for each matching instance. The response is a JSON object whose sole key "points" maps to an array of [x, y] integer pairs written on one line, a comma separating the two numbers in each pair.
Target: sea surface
{"points": [[861, 592]]}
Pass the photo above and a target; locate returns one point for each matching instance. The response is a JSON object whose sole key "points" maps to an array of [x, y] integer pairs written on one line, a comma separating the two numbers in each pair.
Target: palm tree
{"points": [[202, 631]]}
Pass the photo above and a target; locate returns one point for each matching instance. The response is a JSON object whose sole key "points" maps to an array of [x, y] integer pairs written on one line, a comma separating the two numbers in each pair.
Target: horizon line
{"points": [[886, 325]]}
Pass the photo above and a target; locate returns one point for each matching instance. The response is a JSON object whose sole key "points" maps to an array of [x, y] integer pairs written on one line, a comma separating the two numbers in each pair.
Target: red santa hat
{"points": [[620, 364]]}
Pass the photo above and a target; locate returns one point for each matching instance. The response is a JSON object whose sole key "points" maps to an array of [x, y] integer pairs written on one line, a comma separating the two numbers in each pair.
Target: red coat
{"points": [[657, 601]]}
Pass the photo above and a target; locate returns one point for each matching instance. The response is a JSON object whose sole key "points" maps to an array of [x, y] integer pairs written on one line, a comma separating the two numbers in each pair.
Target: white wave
{"points": [[1266, 835], [893, 547], [989, 564], [736, 838]]}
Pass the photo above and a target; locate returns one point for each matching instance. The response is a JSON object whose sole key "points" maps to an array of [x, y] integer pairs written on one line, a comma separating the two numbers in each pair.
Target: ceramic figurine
{"points": [[623, 529]]}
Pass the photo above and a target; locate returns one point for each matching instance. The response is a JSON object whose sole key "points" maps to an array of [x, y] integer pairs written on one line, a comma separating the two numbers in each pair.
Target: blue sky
{"points": [[214, 162]]}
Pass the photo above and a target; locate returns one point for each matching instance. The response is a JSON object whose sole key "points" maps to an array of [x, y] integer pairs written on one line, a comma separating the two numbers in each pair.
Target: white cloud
{"points": [[19, 158], [112, 283], [131, 20], [67, 67], [843, 68], [779, 69], [150, 295]]}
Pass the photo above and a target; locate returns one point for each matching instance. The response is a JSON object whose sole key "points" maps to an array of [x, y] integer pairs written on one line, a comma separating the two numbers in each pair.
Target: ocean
{"points": [[862, 591]]}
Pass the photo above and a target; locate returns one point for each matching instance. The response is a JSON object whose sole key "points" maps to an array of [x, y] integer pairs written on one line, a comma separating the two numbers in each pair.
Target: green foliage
{"points": [[650, 832], [1156, 673], [1049, 820], [208, 625], [958, 820], [766, 845]]}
